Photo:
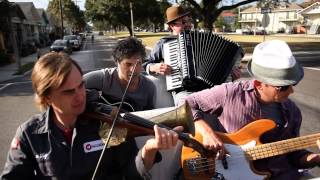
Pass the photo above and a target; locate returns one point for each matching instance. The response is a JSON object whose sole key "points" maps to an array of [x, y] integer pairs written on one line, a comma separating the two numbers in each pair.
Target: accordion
{"points": [[199, 60]]}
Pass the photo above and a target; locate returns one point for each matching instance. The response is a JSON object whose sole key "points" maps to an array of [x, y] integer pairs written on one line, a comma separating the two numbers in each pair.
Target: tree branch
{"points": [[195, 5], [223, 8]]}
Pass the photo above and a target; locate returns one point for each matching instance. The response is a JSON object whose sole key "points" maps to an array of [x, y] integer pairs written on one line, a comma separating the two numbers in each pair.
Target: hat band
{"points": [[277, 77]]}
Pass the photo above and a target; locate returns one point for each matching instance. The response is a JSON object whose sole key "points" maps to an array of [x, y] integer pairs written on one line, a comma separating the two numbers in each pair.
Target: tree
{"points": [[71, 14], [117, 12], [209, 10]]}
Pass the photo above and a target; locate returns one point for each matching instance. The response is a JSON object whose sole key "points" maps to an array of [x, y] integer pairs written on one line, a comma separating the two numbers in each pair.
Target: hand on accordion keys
{"points": [[160, 68]]}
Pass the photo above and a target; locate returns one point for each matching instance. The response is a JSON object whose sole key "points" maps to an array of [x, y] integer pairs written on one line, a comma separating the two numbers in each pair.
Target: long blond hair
{"points": [[50, 72]]}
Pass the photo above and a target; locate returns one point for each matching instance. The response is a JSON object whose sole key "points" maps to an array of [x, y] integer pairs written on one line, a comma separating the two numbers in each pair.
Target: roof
{"points": [[289, 7], [30, 12], [17, 13], [308, 3], [225, 14], [43, 15], [311, 9], [250, 10]]}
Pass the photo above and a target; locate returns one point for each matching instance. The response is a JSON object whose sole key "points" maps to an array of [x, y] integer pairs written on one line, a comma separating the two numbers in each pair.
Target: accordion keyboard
{"points": [[171, 57], [199, 60]]}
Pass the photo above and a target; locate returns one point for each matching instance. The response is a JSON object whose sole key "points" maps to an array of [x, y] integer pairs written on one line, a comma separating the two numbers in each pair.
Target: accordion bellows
{"points": [[199, 60]]}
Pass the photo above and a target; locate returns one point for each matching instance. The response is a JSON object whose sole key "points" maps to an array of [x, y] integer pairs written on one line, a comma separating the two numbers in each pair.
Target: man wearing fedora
{"points": [[274, 72], [178, 21]]}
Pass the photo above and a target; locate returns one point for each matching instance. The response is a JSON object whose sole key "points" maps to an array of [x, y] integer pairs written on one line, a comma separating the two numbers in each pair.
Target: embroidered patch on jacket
{"points": [[93, 146], [15, 143]]}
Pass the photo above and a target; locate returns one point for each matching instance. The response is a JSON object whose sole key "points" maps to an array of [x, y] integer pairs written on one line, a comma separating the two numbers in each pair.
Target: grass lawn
{"points": [[296, 42], [24, 68]]}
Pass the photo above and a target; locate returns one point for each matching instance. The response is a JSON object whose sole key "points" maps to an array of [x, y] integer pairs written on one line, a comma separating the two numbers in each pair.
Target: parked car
{"points": [[74, 41], [247, 31], [261, 31], [61, 45]]}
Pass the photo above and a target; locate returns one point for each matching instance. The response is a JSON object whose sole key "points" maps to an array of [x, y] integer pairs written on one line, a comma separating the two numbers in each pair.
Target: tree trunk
{"points": [[130, 30], [208, 22]]}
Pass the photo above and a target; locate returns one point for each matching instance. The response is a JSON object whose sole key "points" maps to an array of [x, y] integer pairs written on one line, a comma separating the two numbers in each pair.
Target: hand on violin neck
{"points": [[163, 139]]}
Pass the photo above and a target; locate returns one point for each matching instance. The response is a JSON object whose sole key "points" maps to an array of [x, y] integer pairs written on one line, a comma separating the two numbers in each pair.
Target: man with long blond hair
{"points": [[60, 144]]}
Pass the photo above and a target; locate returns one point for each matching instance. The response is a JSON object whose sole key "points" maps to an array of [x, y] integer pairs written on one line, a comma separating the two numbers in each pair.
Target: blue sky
{"points": [[44, 3]]}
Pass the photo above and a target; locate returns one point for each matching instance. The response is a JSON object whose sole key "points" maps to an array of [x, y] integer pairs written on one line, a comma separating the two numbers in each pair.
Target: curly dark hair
{"points": [[127, 48]]}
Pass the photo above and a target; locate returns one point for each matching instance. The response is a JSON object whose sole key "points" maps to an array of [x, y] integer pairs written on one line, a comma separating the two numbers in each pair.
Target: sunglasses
{"points": [[283, 88], [180, 23]]}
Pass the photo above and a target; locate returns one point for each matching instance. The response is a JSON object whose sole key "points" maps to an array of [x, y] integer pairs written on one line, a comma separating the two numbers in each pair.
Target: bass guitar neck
{"points": [[244, 146]]}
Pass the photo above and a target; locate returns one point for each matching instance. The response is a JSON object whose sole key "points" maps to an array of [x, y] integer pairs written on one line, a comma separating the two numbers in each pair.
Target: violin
{"points": [[138, 126]]}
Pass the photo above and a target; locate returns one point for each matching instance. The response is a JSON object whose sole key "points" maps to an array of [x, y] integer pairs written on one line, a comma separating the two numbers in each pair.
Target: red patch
{"points": [[15, 144]]}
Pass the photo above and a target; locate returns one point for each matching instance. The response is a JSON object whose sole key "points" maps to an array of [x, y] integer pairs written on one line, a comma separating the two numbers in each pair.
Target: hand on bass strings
{"points": [[209, 139]]}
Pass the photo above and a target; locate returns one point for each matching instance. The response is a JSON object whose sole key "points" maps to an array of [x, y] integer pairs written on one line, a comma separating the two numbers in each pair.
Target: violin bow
{"points": [[114, 121]]}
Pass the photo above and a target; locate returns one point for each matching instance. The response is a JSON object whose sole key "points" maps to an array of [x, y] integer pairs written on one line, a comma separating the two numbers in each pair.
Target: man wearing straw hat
{"points": [[274, 71]]}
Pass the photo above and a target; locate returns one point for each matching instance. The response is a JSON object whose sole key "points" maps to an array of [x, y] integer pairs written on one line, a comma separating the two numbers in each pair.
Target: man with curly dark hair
{"points": [[128, 53]]}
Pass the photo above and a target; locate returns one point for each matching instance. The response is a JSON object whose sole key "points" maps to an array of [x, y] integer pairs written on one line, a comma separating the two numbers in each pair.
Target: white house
{"points": [[281, 18], [311, 16]]}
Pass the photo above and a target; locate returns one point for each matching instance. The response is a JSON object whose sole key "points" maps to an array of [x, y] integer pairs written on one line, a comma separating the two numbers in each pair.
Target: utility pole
{"points": [[61, 15], [131, 19]]}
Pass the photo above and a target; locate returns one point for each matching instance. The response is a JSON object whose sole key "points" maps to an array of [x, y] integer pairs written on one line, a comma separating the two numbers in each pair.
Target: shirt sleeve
{"points": [[155, 55], [207, 101], [19, 163], [94, 79], [140, 166]]}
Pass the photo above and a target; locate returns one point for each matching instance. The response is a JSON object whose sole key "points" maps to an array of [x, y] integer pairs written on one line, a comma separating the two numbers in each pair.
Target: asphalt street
{"points": [[16, 95]]}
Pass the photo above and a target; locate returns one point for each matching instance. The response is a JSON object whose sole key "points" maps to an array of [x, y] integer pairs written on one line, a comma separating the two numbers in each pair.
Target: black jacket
{"points": [[39, 151], [156, 55]]}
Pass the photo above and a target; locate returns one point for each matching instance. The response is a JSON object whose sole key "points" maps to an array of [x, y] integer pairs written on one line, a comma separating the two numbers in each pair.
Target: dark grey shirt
{"points": [[107, 81]]}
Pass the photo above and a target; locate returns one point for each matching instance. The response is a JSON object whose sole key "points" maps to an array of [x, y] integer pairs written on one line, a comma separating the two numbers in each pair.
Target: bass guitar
{"points": [[243, 146]]}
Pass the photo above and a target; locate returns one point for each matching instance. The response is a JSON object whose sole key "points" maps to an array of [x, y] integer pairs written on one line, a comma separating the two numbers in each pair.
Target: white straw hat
{"points": [[273, 63]]}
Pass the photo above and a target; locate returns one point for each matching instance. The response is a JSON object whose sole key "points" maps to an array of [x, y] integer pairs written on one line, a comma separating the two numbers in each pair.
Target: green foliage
{"points": [[208, 11], [219, 22], [117, 12], [71, 13], [24, 68]]}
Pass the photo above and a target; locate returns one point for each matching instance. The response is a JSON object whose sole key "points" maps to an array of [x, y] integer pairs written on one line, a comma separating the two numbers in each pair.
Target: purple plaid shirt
{"points": [[236, 105]]}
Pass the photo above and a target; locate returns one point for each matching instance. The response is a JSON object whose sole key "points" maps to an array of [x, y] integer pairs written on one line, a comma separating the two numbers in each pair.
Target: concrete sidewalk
{"points": [[7, 72]]}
